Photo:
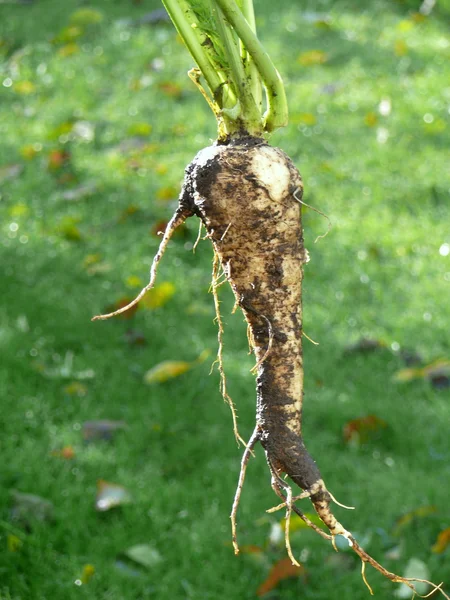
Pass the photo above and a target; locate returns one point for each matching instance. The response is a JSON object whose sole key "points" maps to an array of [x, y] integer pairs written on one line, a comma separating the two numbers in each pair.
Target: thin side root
{"points": [[336, 528], [287, 528], [219, 360], [178, 218], [363, 575], [319, 237], [283, 504], [340, 503], [283, 490], [245, 458], [278, 485]]}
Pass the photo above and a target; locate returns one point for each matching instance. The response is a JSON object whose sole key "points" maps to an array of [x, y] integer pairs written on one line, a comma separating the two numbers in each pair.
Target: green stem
{"points": [[184, 20], [246, 111], [252, 72], [277, 111]]}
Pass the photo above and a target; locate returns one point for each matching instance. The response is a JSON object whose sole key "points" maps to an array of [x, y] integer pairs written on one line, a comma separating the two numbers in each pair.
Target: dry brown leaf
{"points": [[442, 542], [283, 569]]}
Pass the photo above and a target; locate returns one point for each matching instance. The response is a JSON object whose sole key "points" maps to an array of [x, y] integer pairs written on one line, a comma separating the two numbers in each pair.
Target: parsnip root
{"points": [[248, 197]]}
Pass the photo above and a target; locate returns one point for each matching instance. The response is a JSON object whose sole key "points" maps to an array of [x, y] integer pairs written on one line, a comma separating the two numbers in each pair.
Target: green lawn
{"points": [[97, 122]]}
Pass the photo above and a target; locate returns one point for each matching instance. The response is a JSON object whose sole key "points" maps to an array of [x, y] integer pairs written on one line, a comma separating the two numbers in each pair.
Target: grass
{"points": [[66, 107]]}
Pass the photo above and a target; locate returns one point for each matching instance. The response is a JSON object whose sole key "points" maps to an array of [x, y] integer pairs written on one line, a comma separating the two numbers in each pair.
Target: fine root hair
{"points": [[219, 360], [178, 218]]}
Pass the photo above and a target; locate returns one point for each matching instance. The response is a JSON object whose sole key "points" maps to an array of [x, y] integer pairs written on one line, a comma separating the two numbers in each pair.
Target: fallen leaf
{"points": [[79, 193], [365, 345], [312, 57], [69, 230], [68, 34], [101, 430], [283, 569], [438, 372], [111, 495], [442, 542], [129, 314], [10, 172], [126, 569], [250, 549], [133, 281], [87, 574], [169, 369], [67, 452], [57, 159], [91, 259], [13, 543], [68, 50], [371, 119], [418, 569], [160, 227], [29, 508], [18, 210], [144, 555], [75, 388], [171, 89], [167, 193], [405, 25], [140, 129], [304, 119], [133, 337], [418, 17], [297, 523], [363, 429], [418, 513], [159, 295], [86, 16], [24, 87], [400, 48]]}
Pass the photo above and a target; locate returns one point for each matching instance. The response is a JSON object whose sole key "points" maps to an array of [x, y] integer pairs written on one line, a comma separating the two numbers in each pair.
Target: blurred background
{"points": [[118, 461]]}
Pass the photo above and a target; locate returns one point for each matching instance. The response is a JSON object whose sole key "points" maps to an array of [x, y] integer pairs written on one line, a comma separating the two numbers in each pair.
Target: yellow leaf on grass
{"points": [[170, 89], [371, 119], [304, 119], [91, 259], [24, 87], [68, 35], [167, 193], [75, 388], [443, 540], [13, 543], [298, 523], [87, 574], [418, 17], [312, 57], [86, 16], [400, 47], [133, 281], [29, 151], [438, 367], [19, 210], [159, 295], [283, 569], [408, 518], [409, 374], [169, 369], [405, 25], [140, 129], [68, 50]]}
